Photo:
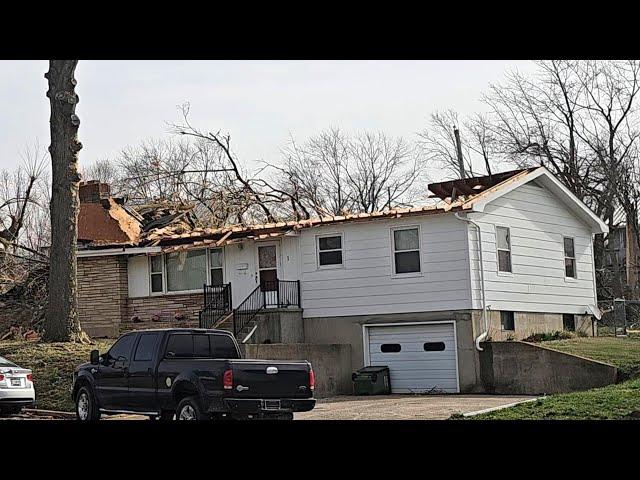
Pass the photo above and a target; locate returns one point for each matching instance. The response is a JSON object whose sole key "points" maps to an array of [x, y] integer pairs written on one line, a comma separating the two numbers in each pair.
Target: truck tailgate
{"points": [[270, 379]]}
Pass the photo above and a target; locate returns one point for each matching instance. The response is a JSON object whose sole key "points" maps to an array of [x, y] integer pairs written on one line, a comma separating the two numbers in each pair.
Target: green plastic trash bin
{"points": [[372, 381]]}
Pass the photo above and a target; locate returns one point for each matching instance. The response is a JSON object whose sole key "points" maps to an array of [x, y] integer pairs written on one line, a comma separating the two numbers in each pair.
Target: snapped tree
{"points": [[61, 323]]}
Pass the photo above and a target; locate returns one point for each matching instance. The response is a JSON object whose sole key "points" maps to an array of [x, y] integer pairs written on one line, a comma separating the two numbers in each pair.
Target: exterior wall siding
{"points": [[537, 221], [165, 306], [366, 285], [102, 294]]}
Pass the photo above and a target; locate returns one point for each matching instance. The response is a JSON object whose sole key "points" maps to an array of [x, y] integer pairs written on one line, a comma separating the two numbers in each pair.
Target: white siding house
{"points": [[406, 286], [538, 223], [366, 283]]}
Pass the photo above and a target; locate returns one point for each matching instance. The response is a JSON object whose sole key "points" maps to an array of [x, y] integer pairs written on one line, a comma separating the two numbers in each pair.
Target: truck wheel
{"points": [[189, 409], [86, 408]]}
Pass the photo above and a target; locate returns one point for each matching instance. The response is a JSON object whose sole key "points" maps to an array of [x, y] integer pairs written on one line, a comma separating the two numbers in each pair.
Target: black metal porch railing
{"points": [[217, 303], [277, 293]]}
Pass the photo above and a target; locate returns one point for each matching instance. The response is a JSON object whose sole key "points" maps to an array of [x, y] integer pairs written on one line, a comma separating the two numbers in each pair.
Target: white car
{"points": [[16, 387]]}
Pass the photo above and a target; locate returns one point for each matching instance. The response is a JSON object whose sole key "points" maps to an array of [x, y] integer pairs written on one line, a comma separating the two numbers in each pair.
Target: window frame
{"points": [[574, 258], [394, 274], [132, 349], [341, 250], [139, 341], [162, 273], [165, 287], [573, 321], [513, 315], [209, 267], [498, 249]]}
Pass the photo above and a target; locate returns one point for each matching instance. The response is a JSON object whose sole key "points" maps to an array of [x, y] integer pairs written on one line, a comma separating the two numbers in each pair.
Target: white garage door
{"points": [[420, 357]]}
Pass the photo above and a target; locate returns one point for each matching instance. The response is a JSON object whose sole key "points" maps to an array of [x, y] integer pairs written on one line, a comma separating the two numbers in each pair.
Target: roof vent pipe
{"points": [[485, 320]]}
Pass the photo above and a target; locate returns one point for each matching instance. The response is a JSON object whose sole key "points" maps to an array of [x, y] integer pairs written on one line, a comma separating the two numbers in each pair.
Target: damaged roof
{"points": [[107, 223], [453, 189], [174, 228]]}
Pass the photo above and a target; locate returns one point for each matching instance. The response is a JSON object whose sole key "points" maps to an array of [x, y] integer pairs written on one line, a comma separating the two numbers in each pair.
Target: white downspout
{"points": [[484, 334]]}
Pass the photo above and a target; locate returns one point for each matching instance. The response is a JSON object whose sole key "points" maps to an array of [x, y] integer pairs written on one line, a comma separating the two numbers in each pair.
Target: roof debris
{"points": [[175, 227]]}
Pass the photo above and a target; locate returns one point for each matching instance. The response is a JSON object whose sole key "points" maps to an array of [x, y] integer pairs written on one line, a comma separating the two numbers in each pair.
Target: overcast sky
{"points": [[260, 103]]}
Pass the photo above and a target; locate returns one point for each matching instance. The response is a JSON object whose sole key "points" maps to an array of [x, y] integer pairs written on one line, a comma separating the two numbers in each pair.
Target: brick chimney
{"points": [[93, 191]]}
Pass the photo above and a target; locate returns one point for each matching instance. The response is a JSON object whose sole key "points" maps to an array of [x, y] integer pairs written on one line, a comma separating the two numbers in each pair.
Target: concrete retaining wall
{"points": [[331, 363], [527, 369], [279, 326]]}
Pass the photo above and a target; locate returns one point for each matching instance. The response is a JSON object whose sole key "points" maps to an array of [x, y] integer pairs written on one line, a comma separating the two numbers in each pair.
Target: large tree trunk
{"points": [[61, 322], [632, 253]]}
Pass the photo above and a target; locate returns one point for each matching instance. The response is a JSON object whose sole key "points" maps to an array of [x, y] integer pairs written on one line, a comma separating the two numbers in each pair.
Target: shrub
{"points": [[547, 337]]}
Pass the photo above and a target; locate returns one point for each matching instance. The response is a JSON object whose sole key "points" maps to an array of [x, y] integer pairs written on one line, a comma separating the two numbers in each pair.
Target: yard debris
{"points": [[48, 414], [23, 299], [18, 333]]}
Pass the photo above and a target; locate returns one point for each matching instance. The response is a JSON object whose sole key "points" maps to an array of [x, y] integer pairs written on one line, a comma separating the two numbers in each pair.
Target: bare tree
{"points": [[439, 145], [315, 172], [103, 170], [334, 173], [381, 171], [245, 190], [15, 195], [61, 322], [610, 127], [478, 143]]}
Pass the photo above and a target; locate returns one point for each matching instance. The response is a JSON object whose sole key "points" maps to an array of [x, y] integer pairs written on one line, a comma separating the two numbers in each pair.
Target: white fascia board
{"points": [[105, 252], [556, 187]]}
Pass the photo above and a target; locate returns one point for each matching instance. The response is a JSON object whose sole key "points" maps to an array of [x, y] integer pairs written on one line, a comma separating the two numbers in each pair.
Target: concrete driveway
{"points": [[405, 407], [384, 407]]}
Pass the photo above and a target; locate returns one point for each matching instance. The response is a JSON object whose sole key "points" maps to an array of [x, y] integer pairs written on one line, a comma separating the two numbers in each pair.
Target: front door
{"points": [[267, 274]]}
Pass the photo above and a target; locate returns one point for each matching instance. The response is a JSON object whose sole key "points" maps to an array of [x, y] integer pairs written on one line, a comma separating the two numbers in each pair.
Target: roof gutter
{"points": [[107, 252], [485, 333]]}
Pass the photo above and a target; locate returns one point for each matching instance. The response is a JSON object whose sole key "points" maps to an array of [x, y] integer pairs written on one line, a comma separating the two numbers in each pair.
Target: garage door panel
{"points": [[409, 335], [426, 357], [413, 340], [412, 368], [409, 347], [411, 329]]}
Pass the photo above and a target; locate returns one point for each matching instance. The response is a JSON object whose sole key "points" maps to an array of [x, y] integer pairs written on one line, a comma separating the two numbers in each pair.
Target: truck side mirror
{"points": [[94, 356]]}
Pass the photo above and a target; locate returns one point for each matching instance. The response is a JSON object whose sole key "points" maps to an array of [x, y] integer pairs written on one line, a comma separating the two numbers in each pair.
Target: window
{"points": [[122, 348], [406, 250], [433, 346], [157, 274], [216, 266], [569, 322], [146, 347], [503, 239], [186, 270], [569, 258], [507, 321], [330, 251], [390, 348], [201, 346], [222, 346], [180, 346]]}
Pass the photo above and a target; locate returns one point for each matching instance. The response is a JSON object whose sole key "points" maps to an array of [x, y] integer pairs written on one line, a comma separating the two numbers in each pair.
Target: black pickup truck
{"points": [[192, 374]]}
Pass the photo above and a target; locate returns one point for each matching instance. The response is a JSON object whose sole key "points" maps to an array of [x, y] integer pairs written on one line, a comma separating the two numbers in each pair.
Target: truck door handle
{"points": [[149, 371]]}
